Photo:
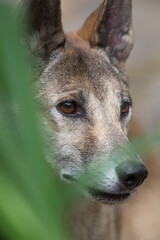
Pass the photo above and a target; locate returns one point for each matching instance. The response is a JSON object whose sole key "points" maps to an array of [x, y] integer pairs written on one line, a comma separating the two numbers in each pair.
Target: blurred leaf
{"points": [[31, 205]]}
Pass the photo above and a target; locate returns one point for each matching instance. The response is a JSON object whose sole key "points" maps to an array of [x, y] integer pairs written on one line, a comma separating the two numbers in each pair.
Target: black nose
{"points": [[132, 174]]}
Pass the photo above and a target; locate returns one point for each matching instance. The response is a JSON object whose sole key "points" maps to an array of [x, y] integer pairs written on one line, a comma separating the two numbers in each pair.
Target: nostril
{"points": [[130, 179], [68, 177]]}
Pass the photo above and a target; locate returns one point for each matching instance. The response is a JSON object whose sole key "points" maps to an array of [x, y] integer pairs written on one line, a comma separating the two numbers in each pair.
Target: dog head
{"points": [[86, 98]]}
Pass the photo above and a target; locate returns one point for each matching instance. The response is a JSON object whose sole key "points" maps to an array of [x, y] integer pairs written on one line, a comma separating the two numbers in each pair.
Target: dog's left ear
{"points": [[46, 32], [110, 27]]}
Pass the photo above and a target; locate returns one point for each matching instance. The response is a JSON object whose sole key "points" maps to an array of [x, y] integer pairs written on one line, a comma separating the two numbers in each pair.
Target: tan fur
{"points": [[92, 220], [86, 68]]}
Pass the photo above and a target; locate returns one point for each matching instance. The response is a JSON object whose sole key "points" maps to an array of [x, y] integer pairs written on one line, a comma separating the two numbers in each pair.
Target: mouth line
{"points": [[108, 197]]}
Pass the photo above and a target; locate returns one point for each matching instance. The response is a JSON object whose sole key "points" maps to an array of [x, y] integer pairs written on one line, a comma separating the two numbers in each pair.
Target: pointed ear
{"points": [[110, 28], [46, 33]]}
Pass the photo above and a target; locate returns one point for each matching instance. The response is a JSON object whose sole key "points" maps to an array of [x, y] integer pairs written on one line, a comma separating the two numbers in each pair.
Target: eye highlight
{"points": [[125, 106], [70, 108]]}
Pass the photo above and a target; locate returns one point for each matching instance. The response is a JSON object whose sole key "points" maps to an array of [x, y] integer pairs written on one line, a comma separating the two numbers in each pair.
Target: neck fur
{"points": [[96, 221]]}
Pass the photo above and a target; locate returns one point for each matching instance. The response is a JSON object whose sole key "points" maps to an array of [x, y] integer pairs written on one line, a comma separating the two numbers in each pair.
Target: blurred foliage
{"points": [[32, 201]]}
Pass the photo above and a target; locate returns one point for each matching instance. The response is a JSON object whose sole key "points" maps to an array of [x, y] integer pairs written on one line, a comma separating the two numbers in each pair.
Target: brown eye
{"points": [[68, 107], [125, 108]]}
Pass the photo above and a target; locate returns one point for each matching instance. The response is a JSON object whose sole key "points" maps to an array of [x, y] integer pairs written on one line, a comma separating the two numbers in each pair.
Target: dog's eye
{"points": [[68, 107], [125, 108]]}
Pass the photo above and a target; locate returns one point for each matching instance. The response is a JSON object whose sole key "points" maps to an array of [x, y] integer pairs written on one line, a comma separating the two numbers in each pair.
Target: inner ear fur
{"points": [[110, 27], [46, 32]]}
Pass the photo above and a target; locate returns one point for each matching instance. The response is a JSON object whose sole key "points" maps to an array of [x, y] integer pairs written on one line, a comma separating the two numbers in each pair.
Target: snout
{"points": [[112, 184], [131, 174]]}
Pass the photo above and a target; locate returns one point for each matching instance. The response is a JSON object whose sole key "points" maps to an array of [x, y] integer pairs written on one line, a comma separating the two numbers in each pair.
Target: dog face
{"points": [[86, 98]]}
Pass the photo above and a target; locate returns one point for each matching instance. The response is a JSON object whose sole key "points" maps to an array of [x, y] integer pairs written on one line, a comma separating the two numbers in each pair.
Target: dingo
{"points": [[88, 106]]}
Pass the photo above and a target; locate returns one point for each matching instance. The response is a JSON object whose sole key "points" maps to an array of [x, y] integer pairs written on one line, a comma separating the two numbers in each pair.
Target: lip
{"points": [[109, 198]]}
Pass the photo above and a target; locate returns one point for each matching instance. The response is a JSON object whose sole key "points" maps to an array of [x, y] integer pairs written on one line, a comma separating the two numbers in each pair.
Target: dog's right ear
{"points": [[109, 27], [46, 33]]}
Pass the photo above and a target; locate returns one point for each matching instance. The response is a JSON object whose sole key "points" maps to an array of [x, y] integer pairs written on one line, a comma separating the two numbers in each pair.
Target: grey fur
{"points": [[87, 68]]}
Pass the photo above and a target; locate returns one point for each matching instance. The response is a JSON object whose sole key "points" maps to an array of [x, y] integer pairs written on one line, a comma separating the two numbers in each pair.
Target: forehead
{"points": [[79, 68]]}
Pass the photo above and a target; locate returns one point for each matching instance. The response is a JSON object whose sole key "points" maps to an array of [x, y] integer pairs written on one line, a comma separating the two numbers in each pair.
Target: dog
{"points": [[84, 91]]}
